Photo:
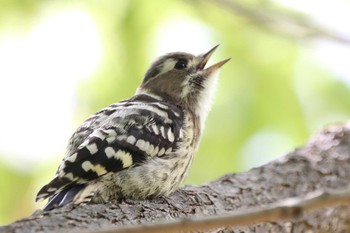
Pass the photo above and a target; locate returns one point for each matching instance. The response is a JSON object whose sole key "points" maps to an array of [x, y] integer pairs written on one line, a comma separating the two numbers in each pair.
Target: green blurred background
{"points": [[61, 61]]}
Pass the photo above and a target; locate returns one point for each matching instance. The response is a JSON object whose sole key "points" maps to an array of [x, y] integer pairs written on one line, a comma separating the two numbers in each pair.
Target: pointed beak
{"points": [[216, 66], [203, 59]]}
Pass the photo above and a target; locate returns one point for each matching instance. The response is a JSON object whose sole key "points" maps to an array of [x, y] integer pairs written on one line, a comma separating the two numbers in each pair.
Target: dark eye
{"points": [[181, 64]]}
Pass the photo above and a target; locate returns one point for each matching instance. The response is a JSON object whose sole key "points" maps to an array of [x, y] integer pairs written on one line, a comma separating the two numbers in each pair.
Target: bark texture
{"points": [[322, 163]]}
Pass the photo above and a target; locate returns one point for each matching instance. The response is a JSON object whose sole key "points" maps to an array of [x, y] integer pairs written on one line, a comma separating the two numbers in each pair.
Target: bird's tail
{"points": [[64, 197]]}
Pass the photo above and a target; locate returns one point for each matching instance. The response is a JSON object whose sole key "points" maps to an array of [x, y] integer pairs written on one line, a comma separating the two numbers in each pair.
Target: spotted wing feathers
{"points": [[125, 138]]}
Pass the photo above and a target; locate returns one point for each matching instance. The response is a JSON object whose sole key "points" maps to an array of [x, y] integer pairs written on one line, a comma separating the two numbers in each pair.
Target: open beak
{"points": [[203, 59]]}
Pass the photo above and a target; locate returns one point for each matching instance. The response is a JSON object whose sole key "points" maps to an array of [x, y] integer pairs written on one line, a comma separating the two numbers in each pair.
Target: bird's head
{"points": [[182, 79]]}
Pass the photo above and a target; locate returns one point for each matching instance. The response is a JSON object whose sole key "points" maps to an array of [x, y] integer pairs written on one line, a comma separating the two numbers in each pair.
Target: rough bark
{"points": [[322, 163]]}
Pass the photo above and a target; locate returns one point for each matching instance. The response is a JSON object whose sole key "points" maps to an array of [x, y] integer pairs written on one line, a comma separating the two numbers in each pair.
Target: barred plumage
{"points": [[140, 147]]}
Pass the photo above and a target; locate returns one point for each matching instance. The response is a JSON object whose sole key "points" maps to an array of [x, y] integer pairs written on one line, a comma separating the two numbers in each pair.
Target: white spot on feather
{"points": [[51, 189], [168, 151], [99, 169], [131, 140], [110, 152], [92, 148], [124, 157], [141, 144], [87, 165], [72, 157], [161, 151], [155, 129], [155, 151], [170, 135], [162, 131], [69, 176], [111, 139]]}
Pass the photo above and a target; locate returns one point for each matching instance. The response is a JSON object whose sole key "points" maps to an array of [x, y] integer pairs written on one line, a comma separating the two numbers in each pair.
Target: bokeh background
{"points": [[61, 61]]}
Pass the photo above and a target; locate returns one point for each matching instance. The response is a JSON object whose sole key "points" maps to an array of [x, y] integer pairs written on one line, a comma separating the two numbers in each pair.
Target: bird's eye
{"points": [[181, 64]]}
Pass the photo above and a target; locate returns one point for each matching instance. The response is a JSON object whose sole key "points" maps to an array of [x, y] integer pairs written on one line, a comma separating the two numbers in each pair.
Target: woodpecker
{"points": [[141, 147]]}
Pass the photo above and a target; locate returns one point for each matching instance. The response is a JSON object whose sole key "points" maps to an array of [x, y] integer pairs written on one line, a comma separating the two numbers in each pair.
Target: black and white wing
{"points": [[120, 136]]}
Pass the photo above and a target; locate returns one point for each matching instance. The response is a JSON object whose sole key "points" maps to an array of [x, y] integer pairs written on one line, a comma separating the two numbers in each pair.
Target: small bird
{"points": [[141, 147]]}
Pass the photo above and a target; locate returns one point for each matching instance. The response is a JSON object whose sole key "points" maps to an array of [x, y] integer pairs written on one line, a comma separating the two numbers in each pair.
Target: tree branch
{"points": [[322, 164], [291, 24], [289, 209]]}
